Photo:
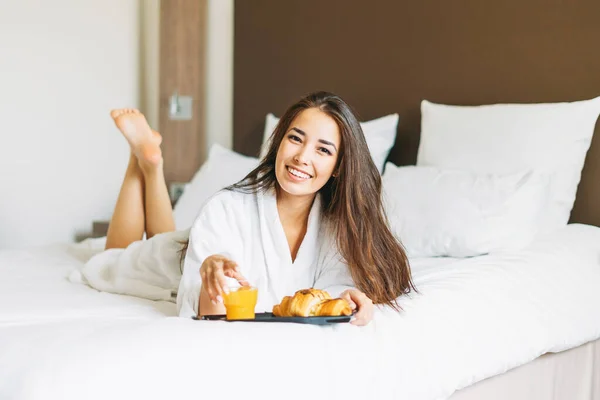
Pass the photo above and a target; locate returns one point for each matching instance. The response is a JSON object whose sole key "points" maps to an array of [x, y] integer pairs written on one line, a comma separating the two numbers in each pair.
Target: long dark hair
{"points": [[351, 202]]}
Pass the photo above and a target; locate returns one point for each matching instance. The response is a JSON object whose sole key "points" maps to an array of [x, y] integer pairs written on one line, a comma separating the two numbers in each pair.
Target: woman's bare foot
{"points": [[144, 142]]}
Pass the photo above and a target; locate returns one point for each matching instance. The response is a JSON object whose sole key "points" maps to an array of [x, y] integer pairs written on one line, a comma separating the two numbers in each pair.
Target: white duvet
{"points": [[473, 318]]}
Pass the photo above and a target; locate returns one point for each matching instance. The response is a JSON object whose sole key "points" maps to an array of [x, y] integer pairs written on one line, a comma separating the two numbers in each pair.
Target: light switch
{"points": [[180, 107]]}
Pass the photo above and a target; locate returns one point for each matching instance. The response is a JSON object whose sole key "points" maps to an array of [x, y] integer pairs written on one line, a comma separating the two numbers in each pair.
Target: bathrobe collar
{"points": [[277, 255]]}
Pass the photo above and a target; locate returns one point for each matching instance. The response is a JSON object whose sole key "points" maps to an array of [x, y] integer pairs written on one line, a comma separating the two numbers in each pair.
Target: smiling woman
{"points": [[310, 215], [318, 150]]}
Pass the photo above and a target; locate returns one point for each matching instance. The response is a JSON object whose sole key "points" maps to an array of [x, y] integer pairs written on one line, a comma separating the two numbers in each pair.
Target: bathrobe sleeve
{"points": [[333, 274], [216, 230]]}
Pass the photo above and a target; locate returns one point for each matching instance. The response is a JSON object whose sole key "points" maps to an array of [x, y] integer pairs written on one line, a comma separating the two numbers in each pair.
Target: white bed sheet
{"points": [[474, 318]]}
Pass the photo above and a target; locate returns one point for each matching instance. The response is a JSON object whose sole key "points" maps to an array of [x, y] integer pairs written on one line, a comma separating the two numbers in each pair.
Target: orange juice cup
{"points": [[240, 302]]}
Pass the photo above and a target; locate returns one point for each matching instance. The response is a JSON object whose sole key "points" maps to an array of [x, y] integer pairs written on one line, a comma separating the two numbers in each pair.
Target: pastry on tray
{"points": [[311, 303]]}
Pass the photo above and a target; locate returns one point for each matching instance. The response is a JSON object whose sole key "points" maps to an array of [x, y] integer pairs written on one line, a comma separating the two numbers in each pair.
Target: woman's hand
{"points": [[359, 301], [213, 272]]}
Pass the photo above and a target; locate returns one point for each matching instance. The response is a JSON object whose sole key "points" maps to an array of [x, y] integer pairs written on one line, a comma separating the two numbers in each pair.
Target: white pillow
{"points": [[380, 135], [461, 214], [271, 122], [551, 138], [222, 168]]}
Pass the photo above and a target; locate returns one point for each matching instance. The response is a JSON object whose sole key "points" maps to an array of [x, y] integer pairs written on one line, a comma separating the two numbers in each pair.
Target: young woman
{"points": [[310, 215]]}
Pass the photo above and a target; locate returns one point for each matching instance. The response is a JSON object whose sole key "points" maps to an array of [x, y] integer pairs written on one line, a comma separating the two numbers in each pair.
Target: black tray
{"points": [[269, 317]]}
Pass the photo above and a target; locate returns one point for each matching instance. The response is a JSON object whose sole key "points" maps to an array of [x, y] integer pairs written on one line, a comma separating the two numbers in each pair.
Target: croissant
{"points": [[311, 303]]}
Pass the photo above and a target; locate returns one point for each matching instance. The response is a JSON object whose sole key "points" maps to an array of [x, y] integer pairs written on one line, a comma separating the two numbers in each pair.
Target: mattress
{"points": [[572, 374], [472, 319]]}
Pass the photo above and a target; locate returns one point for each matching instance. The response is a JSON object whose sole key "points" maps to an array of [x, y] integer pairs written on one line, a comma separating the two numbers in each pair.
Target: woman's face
{"points": [[308, 153]]}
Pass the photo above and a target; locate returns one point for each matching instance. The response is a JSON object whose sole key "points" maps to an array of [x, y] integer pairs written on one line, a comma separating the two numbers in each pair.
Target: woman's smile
{"points": [[297, 175]]}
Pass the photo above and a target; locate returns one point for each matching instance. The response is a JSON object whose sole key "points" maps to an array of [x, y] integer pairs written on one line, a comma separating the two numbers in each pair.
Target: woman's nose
{"points": [[301, 157]]}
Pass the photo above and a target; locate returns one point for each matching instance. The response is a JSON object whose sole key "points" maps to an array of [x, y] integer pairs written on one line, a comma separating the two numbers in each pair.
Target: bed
{"points": [[519, 324], [475, 318]]}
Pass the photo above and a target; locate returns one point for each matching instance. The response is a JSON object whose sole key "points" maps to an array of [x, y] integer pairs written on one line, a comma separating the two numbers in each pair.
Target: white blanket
{"points": [[150, 269], [473, 318]]}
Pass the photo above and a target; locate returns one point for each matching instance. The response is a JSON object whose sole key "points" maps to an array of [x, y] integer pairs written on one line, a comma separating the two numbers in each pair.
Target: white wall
{"points": [[219, 94], [150, 60], [64, 65]]}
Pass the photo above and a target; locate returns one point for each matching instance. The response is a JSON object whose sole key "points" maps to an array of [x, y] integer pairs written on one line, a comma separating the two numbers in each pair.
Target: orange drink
{"points": [[240, 302]]}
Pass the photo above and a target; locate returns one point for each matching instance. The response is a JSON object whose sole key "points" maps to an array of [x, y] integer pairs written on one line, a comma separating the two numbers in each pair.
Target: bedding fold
{"points": [[150, 269]]}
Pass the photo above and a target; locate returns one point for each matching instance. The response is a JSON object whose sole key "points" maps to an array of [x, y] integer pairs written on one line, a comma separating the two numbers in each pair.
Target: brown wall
{"points": [[385, 56], [182, 69]]}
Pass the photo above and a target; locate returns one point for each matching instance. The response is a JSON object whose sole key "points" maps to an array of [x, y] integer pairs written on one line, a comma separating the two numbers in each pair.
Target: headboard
{"points": [[385, 56]]}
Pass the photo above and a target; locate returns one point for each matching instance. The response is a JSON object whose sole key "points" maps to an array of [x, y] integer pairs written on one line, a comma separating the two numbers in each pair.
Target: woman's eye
{"points": [[325, 150], [294, 138]]}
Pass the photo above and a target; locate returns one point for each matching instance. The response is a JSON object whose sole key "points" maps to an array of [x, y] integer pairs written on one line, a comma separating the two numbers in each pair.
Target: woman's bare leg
{"points": [[159, 212], [128, 221], [154, 195]]}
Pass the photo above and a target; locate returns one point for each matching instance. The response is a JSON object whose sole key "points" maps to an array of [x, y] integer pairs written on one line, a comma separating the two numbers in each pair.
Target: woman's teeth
{"points": [[297, 173]]}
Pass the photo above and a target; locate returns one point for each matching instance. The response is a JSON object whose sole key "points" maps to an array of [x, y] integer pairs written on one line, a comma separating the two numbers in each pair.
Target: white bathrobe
{"points": [[243, 227], [246, 228]]}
